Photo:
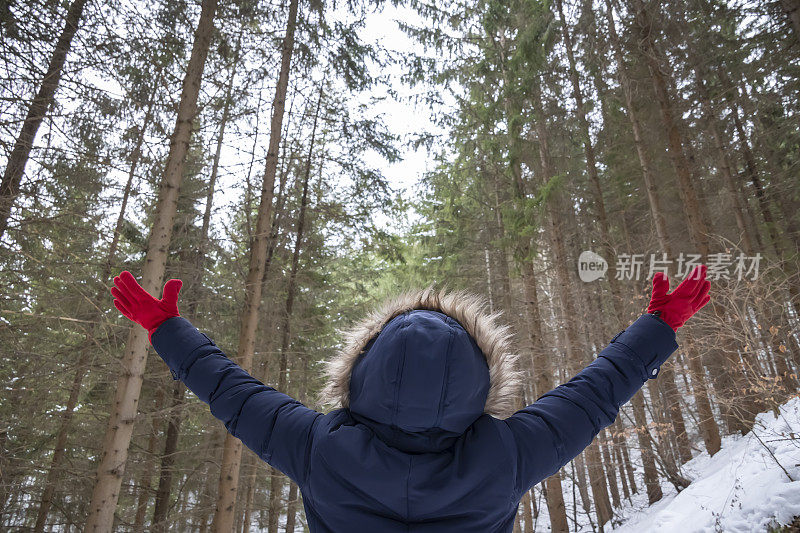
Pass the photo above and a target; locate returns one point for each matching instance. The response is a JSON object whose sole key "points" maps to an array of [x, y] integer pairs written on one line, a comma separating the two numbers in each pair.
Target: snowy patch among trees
{"points": [[751, 484]]}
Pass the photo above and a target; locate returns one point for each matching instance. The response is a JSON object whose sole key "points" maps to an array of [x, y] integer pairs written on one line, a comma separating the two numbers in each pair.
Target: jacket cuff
{"points": [[652, 341], [175, 340]]}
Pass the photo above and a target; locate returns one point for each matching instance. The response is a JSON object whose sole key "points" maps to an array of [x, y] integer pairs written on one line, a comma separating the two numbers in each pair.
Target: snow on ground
{"points": [[752, 483]]}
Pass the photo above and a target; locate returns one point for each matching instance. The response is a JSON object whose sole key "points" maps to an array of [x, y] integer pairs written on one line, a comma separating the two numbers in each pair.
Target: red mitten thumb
{"points": [[170, 295], [168, 305]]}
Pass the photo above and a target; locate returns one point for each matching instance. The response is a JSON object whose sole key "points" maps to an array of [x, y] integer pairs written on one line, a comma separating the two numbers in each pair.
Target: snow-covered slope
{"points": [[749, 485]]}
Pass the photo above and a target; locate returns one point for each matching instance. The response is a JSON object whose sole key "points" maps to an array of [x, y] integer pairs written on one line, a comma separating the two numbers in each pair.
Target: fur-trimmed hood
{"points": [[426, 360]]}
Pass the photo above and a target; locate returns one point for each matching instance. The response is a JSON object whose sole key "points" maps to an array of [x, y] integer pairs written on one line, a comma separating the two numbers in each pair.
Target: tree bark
{"points": [[248, 504], [120, 424], [707, 424], [173, 427], [691, 204], [755, 180], [554, 495], [527, 514], [656, 212], [779, 247], [232, 451], [497, 230], [168, 460], [206, 499], [291, 507], [37, 110]]}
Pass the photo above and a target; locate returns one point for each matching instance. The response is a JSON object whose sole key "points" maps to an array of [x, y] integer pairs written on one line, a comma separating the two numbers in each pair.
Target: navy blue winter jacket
{"points": [[415, 451]]}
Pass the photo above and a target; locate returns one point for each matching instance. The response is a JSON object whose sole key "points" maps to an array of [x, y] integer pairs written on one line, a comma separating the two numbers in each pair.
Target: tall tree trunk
{"points": [[668, 375], [37, 110], [671, 398], [173, 427], [275, 497], [659, 222], [554, 495], [658, 409], [616, 453], [751, 401], [779, 247], [691, 204], [527, 514], [579, 479], [591, 159], [656, 212], [724, 357], [232, 451], [206, 499], [168, 459], [497, 232], [120, 424], [783, 193], [709, 430], [755, 179], [291, 507]]}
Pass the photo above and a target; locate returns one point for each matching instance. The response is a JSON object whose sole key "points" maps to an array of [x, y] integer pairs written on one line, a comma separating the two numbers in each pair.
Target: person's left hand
{"points": [[140, 306], [688, 298]]}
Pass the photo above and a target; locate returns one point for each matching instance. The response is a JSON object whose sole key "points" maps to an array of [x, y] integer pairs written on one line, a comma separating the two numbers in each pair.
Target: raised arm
{"points": [[272, 424], [559, 425]]}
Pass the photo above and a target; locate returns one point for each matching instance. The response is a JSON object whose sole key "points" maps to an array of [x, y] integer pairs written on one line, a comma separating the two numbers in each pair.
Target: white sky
{"points": [[402, 117]]}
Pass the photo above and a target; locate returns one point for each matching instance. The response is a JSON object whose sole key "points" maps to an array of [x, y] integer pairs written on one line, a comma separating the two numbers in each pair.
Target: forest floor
{"points": [[751, 484]]}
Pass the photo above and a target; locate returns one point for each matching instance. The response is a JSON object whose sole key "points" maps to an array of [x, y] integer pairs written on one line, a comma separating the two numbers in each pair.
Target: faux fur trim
{"points": [[469, 310]]}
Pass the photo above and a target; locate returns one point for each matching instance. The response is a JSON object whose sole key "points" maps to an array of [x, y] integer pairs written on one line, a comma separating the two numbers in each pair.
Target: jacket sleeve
{"points": [[275, 426], [558, 426]]}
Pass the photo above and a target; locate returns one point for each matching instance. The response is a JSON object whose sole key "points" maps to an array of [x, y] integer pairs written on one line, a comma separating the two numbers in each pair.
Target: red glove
{"points": [[688, 298], [140, 306]]}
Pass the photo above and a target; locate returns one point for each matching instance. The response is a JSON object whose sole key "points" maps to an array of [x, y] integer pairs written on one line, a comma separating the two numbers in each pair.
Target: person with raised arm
{"points": [[424, 438]]}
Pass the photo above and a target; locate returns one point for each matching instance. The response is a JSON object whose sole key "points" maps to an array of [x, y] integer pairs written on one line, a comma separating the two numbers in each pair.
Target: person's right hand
{"points": [[688, 298], [140, 306]]}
